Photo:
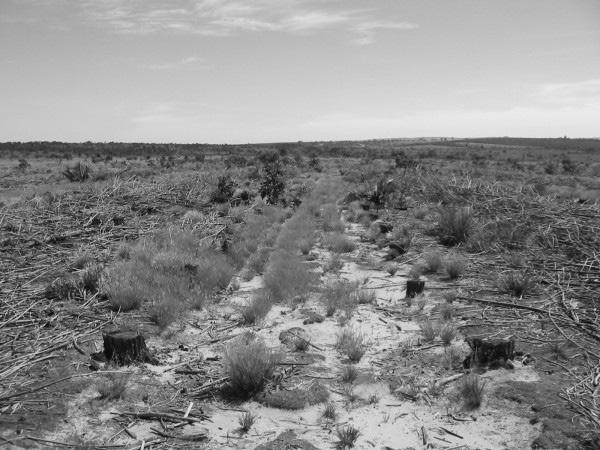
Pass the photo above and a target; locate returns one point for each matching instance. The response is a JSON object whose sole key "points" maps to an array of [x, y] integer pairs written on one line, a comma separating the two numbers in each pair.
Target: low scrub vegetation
{"points": [[246, 420], [257, 308], [351, 343], [339, 294], [454, 267], [347, 437], [248, 363], [429, 330], [338, 243], [454, 225], [516, 283], [432, 262], [287, 276]]}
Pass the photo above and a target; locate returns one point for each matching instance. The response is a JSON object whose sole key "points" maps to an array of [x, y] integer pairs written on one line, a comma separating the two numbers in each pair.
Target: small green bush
{"points": [[338, 243], [454, 225], [352, 343]]}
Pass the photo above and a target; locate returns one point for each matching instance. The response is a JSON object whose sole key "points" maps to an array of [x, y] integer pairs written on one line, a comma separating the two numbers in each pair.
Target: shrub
{"points": [[123, 287], [471, 391], [90, 277], [258, 260], [447, 333], [454, 225], [272, 184], [349, 374], [420, 213], [338, 243], [165, 310], [351, 343], [347, 437], [248, 362], [224, 190], [257, 308], [391, 268], [402, 236], [246, 421], [330, 217], [287, 276], [432, 262], [429, 330], [515, 283], [454, 267]]}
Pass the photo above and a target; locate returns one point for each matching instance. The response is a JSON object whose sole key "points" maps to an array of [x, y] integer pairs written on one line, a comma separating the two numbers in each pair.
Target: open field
{"points": [[270, 285]]}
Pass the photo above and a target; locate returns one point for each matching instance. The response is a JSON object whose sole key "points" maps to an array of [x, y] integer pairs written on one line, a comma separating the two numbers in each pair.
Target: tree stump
{"points": [[126, 346], [491, 354], [414, 288]]}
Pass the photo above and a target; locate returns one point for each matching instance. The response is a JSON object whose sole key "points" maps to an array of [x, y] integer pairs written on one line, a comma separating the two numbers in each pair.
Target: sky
{"points": [[240, 71]]}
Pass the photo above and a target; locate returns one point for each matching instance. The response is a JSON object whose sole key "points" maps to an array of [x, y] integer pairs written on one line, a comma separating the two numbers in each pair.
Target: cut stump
{"points": [[414, 288], [126, 346], [491, 353]]}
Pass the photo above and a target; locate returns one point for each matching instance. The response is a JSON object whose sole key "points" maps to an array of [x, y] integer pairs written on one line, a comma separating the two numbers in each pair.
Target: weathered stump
{"points": [[491, 354], [414, 288], [126, 346]]}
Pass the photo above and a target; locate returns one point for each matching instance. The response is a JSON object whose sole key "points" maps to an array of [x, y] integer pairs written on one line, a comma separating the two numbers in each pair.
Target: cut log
{"points": [[126, 346], [491, 354], [414, 288]]}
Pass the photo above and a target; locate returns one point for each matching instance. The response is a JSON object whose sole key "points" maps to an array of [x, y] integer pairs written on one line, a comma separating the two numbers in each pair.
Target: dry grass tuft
{"points": [[258, 307], [447, 333], [114, 388], [338, 243], [349, 374], [454, 225], [340, 294], [246, 421], [249, 363], [429, 330], [471, 391], [516, 283], [454, 267], [287, 276], [329, 412], [351, 343], [347, 437], [432, 262]]}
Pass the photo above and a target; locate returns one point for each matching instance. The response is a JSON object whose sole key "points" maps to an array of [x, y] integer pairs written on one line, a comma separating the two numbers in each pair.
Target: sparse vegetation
{"points": [[447, 333], [347, 436], [454, 225], [516, 283], [338, 243], [454, 267], [351, 343], [432, 262], [246, 420], [258, 307], [248, 363], [114, 388], [349, 373], [329, 412], [471, 391], [429, 330]]}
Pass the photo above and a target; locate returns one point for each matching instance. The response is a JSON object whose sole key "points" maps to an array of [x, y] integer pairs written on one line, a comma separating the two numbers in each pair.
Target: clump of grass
{"points": [[403, 236], [258, 307], [471, 391], [516, 283], [114, 388], [165, 309], [454, 225], [305, 245], [349, 374], [429, 330], [451, 358], [331, 218], [329, 412], [124, 289], [446, 311], [124, 251], [338, 243], [454, 267], [449, 296], [351, 343], [373, 399], [246, 421], [347, 437], [432, 262], [421, 302], [81, 260], [258, 259], [339, 294], [447, 333], [366, 297], [89, 277], [248, 363]]}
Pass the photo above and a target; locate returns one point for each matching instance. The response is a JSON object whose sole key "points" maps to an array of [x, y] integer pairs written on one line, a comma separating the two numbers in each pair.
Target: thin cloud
{"points": [[232, 17], [190, 62], [577, 92]]}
